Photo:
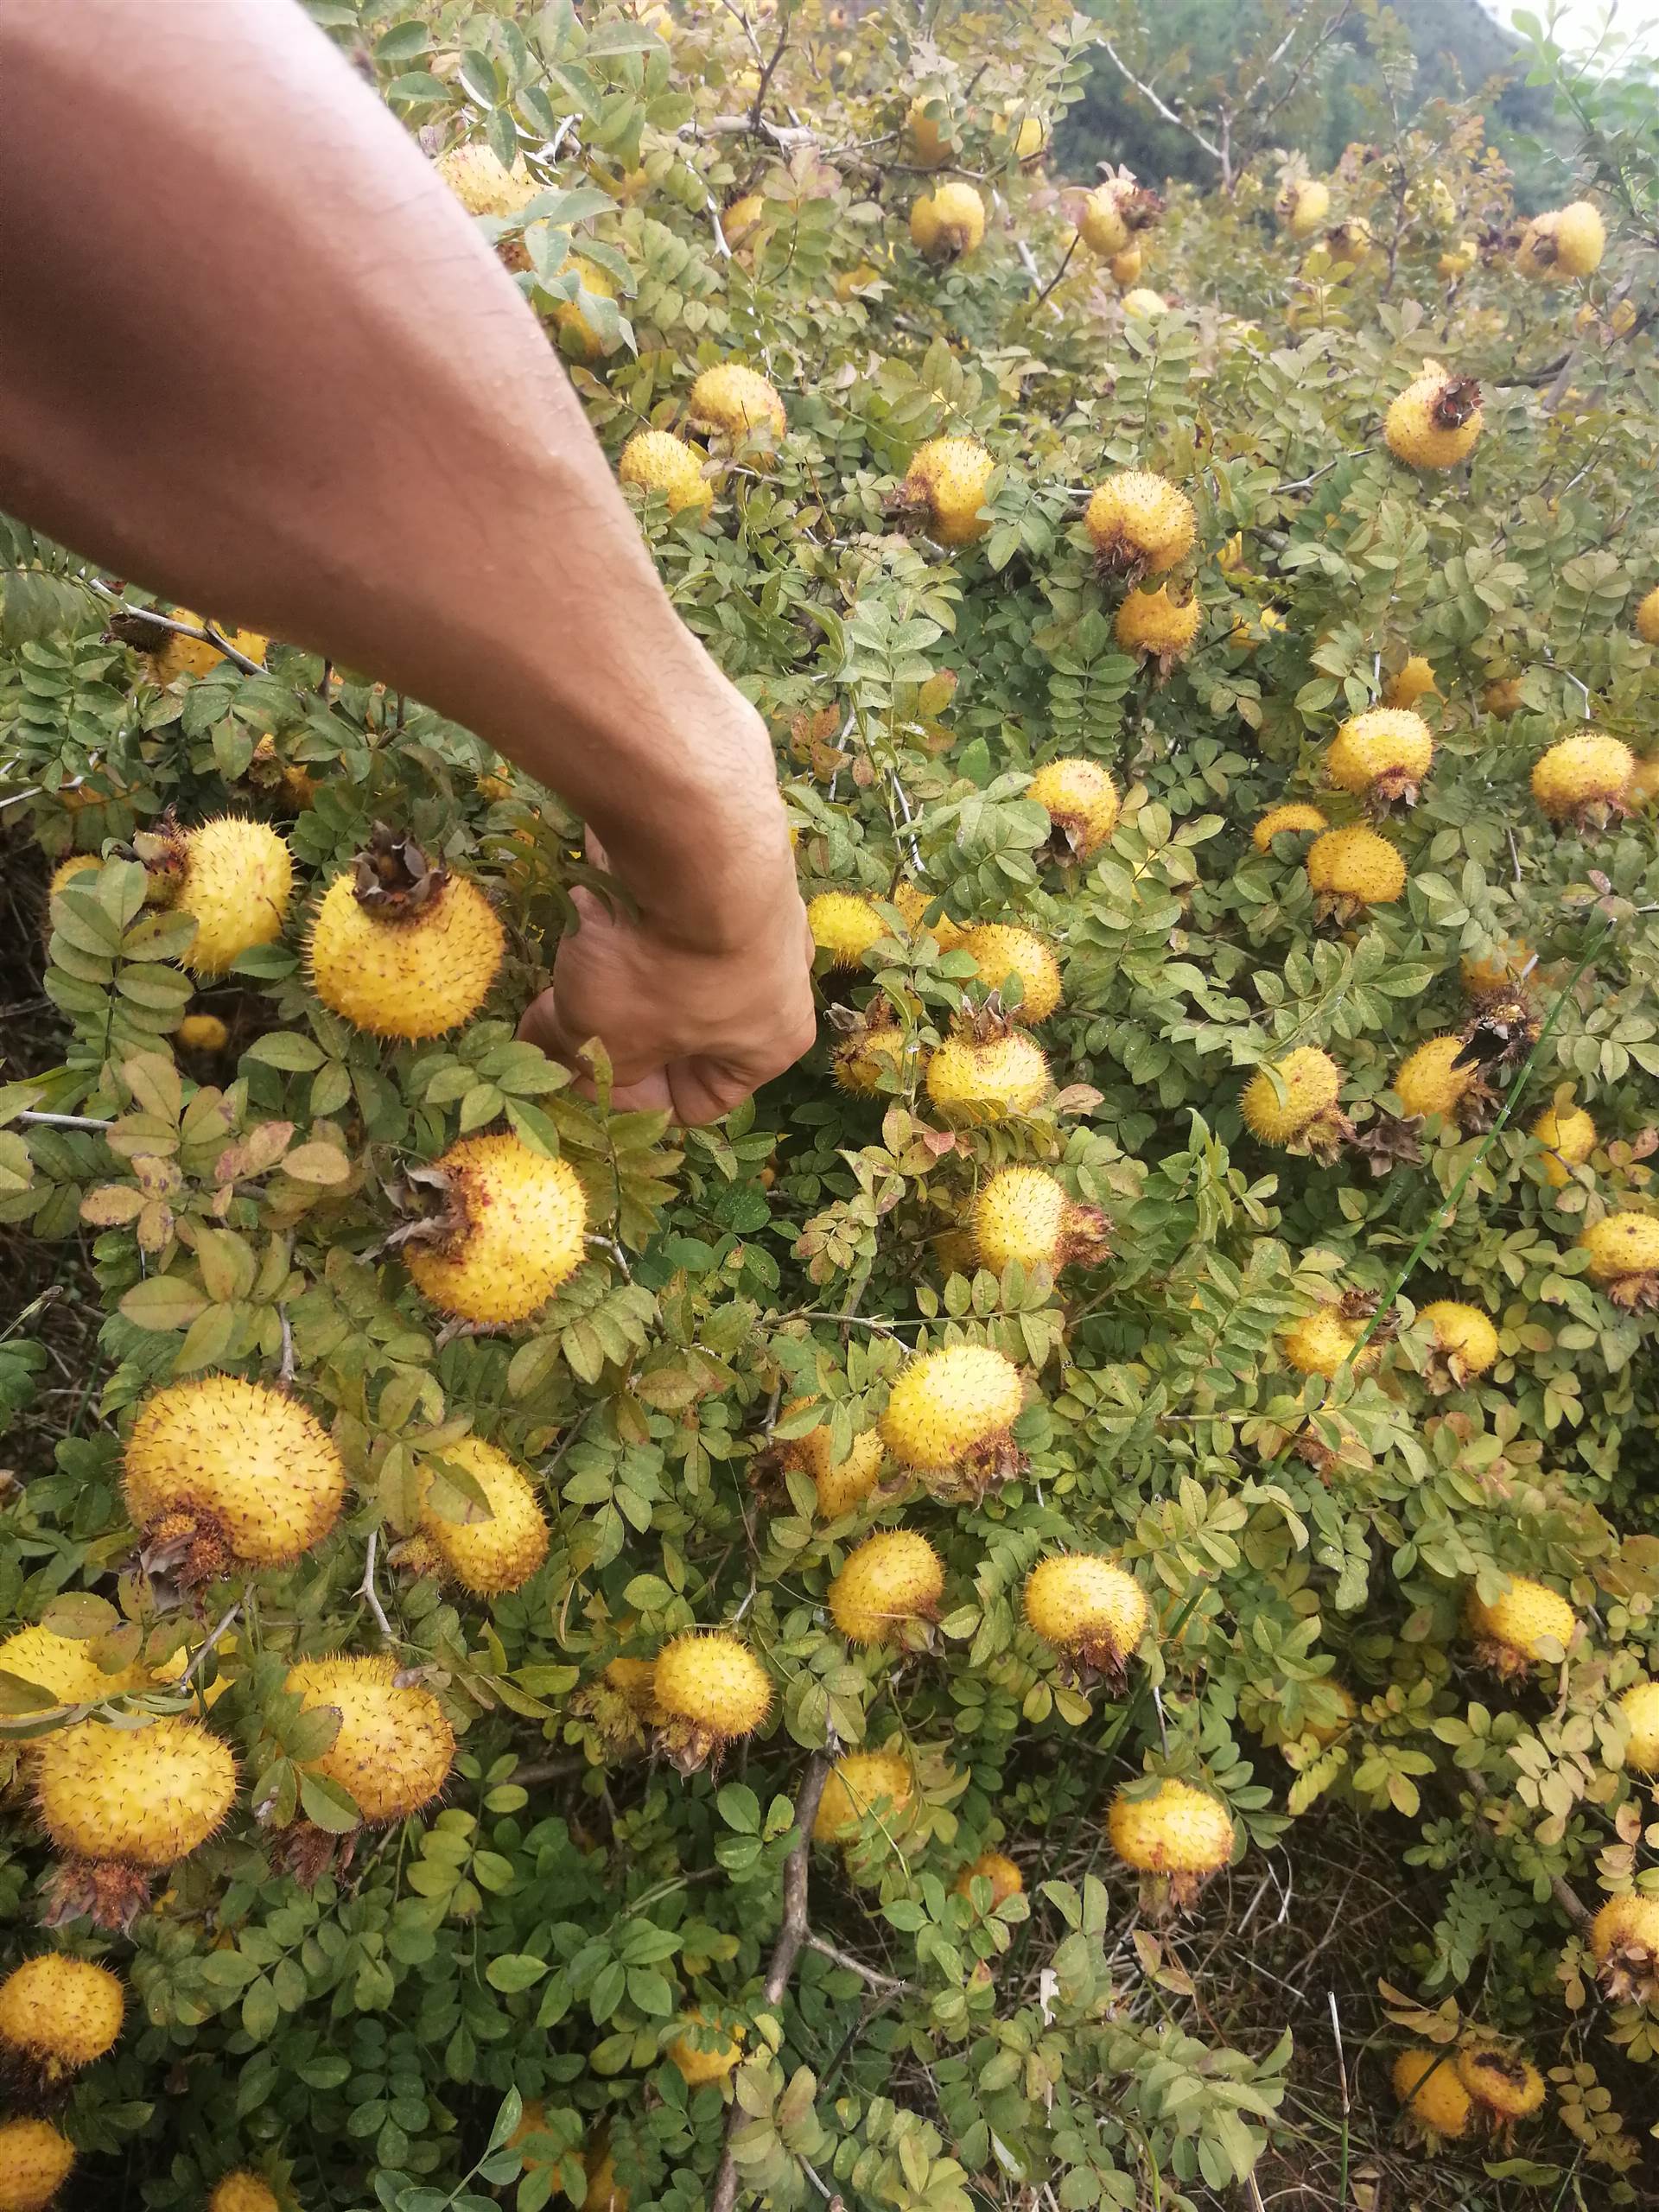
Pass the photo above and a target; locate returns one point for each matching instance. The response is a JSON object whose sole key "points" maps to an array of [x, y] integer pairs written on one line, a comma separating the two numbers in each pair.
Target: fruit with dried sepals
{"points": [[121, 1804], [1089, 1609], [890, 1579], [1176, 1835], [1434, 421], [949, 1413], [945, 485], [1562, 244], [400, 947], [394, 1748], [57, 2014], [1583, 780], [710, 1689], [219, 1473], [1623, 1249], [864, 1784], [1384, 754], [1464, 1341], [1081, 801], [1522, 1628], [1026, 1216], [512, 1230], [1294, 1103], [1624, 1943], [1139, 523], [1000, 950]]}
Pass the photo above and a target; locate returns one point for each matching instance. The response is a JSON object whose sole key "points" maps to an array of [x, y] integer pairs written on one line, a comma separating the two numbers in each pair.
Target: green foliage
{"points": [[475, 2004]]}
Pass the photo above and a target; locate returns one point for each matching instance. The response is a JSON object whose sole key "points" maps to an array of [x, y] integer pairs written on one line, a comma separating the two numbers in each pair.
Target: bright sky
{"points": [[1580, 23]]}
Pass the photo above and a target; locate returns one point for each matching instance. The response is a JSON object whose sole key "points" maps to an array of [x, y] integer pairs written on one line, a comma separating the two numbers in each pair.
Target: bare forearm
{"points": [[288, 384]]}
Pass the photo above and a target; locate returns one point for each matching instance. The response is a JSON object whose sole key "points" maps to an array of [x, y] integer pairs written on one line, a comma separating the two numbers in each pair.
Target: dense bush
{"points": [[1232, 1385]]}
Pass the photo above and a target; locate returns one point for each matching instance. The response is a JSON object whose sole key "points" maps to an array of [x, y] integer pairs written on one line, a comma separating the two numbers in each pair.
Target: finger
{"points": [[647, 1094], [702, 1091], [539, 1024]]}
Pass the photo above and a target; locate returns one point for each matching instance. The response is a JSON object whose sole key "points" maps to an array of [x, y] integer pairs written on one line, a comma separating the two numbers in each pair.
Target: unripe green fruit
{"points": [[394, 1748]]}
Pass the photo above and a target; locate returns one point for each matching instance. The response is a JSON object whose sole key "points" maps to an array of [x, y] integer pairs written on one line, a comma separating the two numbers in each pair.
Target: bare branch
{"points": [[366, 1591], [199, 1655], [833, 1951], [1161, 105]]}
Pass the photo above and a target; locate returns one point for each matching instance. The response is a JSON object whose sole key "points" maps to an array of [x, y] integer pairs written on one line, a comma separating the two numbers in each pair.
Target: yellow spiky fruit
{"points": [[403, 955], [710, 1689], [1322, 1343], [929, 140], [1624, 1943], [1148, 306], [1458, 260], [1303, 205], [242, 2191], [1639, 1707], [1101, 226], [1081, 800], [201, 1033], [58, 2014], [913, 902], [704, 2052], [953, 1408], [998, 951], [846, 925], [1357, 864], [1295, 817], [1414, 682], [1434, 421], [1582, 779], [1562, 244], [949, 223], [1385, 752], [656, 460], [237, 882], [1139, 523], [1483, 975], [1642, 790], [65, 1666], [987, 1080], [1568, 1136], [1502, 697], [1087, 1607], [1126, 267], [636, 1681], [1025, 1216], [1349, 243], [66, 871], [1426, 2084], [513, 1234], [874, 1784], [744, 215], [842, 1485], [143, 1798], [488, 1556], [1623, 1249], [947, 479], [892, 1579], [394, 1748], [1175, 1835], [1158, 627], [483, 183], [1522, 1628], [1300, 1104], [178, 655], [995, 1868], [580, 336], [1427, 1081], [869, 1054], [1464, 1337], [36, 2161], [737, 400], [1647, 618], [234, 1466]]}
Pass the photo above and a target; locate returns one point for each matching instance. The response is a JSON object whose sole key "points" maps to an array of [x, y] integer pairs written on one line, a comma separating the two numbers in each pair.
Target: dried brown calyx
{"points": [[393, 878], [1458, 402]]}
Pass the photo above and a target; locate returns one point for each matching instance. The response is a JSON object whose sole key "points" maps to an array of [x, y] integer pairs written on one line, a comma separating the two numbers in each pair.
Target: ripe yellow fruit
{"points": [[949, 222], [878, 1784], [737, 400], [704, 2053], [1146, 305], [1501, 697], [741, 217], [504, 1551], [1302, 1105], [1416, 681], [1384, 752], [64, 1667], [842, 1486], [912, 902], [947, 479], [1624, 1943], [1435, 421], [177, 655], [145, 1797], [514, 1231], [1081, 800], [1296, 817], [1126, 267], [1025, 1214], [1004, 1876], [1175, 1831], [1349, 243], [1427, 1082], [846, 925], [1458, 260], [987, 1080], [1562, 244], [1511, 1633], [36, 2161], [1088, 1607], [929, 140], [952, 1407], [66, 871], [241, 2191], [402, 947], [58, 2014], [869, 1054], [1640, 1708], [998, 951], [201, 1033], [1505, 2085], [1647, 622], [656, 460], [1159, 628], [1139, 523], [1623, 1249], [1029, 140], [710, 1688], [1568, 1136], [892, 1578], [1488, 975], [238, 879], [483, 183], [1356, 863], [1582, 779], [1303, 205], [1425, 2082], [1100, 226], [233, 1465], [1322, 1343], [394, 1748], [1463, 1336], [568, 318]]}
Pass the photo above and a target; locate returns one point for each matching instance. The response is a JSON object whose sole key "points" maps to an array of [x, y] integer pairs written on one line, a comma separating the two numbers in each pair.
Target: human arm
{"points": [[255, 354]]}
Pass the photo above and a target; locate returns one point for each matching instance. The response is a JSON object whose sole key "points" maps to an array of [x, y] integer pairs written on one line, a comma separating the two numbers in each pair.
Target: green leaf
{"points": [[514, 1971]]}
